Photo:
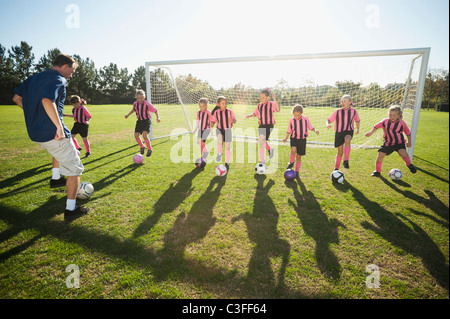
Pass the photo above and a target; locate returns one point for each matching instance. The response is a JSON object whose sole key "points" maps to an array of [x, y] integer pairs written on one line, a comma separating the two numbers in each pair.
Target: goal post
{"points": [[375, 79]]}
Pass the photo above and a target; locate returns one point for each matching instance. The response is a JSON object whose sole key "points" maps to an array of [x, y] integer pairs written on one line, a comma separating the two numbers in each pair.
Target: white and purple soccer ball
{"points": [[221, 170], [138, 158], [85, 191], [395, 174]]}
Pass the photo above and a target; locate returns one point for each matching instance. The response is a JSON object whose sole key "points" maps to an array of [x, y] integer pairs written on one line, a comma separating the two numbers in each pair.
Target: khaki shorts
{"points": [[65, 153]]}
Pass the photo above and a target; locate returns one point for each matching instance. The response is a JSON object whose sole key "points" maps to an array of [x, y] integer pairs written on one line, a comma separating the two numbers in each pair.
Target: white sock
{"points": [[71, 204], [55, 173]]}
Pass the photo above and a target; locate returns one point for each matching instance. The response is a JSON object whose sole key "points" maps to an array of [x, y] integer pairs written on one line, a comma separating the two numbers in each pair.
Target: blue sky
{"points": [[131, 32]]}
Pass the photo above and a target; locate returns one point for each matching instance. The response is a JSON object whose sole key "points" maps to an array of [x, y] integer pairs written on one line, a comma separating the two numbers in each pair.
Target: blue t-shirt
{"points": [[48, 84]]}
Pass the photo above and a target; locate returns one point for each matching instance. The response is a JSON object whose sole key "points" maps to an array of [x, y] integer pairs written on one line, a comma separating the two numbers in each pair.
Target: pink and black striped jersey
{"points": [[299, 128], [393, 131], [81, 114], [204, 120], [264, 112], [143, 110], [224, 119], [344, 119]]}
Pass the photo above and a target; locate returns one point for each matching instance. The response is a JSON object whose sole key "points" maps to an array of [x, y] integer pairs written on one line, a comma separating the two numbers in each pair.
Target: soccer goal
{"points": [[374, 79]]}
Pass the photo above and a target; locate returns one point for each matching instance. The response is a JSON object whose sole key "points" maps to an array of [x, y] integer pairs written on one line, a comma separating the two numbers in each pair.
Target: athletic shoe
{"points": [[376, 174], [296, 175], [88, 154], [219, 157], [271, 152], [79, 149], [78, 212], [203, 164], [346, 164], [290, 165], [142, 150], [149, 152], [227, 166], [412, 168], [55, 183]]}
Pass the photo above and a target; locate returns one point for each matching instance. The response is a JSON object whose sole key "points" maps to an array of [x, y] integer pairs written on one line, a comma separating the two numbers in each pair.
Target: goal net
{"points": [[375, 80]]}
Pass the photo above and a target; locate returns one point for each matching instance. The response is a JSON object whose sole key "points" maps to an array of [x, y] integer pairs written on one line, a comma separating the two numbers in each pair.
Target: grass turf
{"points": [[168, 230]]}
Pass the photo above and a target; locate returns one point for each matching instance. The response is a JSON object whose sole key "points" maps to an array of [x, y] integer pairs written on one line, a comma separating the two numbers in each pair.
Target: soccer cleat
{"points": [[78, 212], [376, 174], [219, 157], [79, 149], [88, 154], [412, 168], [290, 165], [346, 164], [271, 152], [149, 152], [227, 166], [55, 183], [203, 164], [296, 175], [142, 150]]}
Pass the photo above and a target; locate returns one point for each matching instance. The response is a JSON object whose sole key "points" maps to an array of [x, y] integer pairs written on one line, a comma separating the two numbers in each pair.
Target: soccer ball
{"points": [[289, 175], [260, 168], [337, 177], [395, 174], [85, 191], [138, 158], [200, 162], [221, 170]]}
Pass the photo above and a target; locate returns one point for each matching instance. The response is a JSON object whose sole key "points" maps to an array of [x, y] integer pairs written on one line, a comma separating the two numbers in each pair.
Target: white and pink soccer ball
{"points": [[138, 158], [221, 170]]}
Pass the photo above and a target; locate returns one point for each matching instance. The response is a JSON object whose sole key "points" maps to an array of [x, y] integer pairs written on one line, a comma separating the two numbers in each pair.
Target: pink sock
{"points": [[87, 146], [292, 158], [297, 166], [227, 156], [407, 160], [261, 154], [267, 146], [138, 140], [338, 162], [147, 142], [205, 149], [347, 153], [220, 148], [75, 142], [378, 167]]}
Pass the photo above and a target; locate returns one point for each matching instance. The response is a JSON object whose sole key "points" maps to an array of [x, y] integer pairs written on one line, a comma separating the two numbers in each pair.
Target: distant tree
{"points": [[23, 60], [84, 81], [46, 61]]}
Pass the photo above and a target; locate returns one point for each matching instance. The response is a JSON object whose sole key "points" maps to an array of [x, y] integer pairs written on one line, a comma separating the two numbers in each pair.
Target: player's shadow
{"points": [[433, 203], [413, 240], [168, 202], [262, 231], [189, 228], [316, 224]]}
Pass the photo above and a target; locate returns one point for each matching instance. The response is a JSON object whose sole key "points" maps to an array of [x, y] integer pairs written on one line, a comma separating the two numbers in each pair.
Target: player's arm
{"points": [[408, 143], [250, 115], [287, 136], [68, 115], [52, 112], [157, 116], [371, 132], [274, 98], [18, 100], [357, 123], [131, 112]]}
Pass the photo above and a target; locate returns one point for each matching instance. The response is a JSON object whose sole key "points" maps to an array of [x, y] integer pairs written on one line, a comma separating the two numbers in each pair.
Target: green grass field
{"points": [[168, 230]]}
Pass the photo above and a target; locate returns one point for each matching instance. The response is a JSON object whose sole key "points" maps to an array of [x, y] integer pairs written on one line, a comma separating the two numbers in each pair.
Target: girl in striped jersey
{"points": [[203, 125], [298, 130], [82, 118], [143, 110], [344, 119], [264, 111], [393, 128], [225, 119]]}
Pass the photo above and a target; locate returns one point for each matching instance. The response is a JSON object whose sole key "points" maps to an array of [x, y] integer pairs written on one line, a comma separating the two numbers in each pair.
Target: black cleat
{"points": [[412, 168], [149, 152], [55, 183], [227, 166], [74, 214], [88, 154], [142, 150], [376, 174], [290, 165], [346, 164]]}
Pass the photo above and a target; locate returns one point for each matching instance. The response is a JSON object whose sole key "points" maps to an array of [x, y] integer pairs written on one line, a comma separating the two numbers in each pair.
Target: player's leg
{"points": [[379, 163], [339, 155], [347, 149], [137, 137], [75, 142], [57, 180], [220, 138], [405, 157], [262, 144], [227, 154], [87, 146], [147, 143], [297, 164], [292, 157]]}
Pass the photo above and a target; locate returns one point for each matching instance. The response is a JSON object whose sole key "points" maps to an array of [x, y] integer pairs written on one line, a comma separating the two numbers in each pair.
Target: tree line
{"points": [[114, 85]]}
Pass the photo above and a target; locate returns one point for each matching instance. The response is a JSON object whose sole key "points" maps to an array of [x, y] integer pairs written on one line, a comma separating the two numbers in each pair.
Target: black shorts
{"points": [[80, 128], [391, 148], [203, 134], [265, 129], [339, 137], [142, 125], [226, 134], [300, 144]]}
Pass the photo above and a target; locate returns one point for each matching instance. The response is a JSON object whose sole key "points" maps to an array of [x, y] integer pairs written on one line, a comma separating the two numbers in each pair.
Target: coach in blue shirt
{"points": [[42, 97]]}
